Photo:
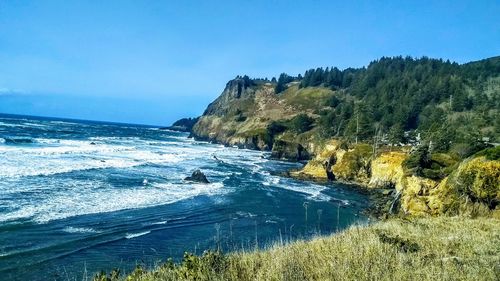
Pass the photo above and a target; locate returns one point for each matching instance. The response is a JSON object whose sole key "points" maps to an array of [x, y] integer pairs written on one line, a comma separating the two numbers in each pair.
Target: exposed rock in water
{"points": [[197, 176]]}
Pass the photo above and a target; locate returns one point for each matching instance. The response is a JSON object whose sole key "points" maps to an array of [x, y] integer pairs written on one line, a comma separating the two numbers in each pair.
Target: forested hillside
{"points": [[398, 100], [447, 103]]}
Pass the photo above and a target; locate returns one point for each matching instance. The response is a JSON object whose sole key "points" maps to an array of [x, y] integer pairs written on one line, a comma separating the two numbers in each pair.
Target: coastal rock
{"points": [[321, 166], [182, 125], [222, 121], [238, 88], [387, 170], [249, 114], [289, 151], [355, 164], [197, 176], [473, 188]]}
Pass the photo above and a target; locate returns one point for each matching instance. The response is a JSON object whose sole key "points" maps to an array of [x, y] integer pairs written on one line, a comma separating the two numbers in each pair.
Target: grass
{"points": [[441, 248], [310, 98]]}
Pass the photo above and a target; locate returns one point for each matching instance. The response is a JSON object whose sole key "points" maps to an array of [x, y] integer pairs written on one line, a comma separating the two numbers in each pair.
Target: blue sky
{"points": [[152, 62]]}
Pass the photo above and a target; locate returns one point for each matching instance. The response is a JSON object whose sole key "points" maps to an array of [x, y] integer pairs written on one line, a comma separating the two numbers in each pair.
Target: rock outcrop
{"points": [[473, 188], [197, 176], [387, 170], [249, 113], [290, 151], [235, 117], [244, 114], [183, 125]]}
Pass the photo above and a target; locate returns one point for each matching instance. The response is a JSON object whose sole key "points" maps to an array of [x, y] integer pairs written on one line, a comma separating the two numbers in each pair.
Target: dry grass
{"points": [[421, 249]]}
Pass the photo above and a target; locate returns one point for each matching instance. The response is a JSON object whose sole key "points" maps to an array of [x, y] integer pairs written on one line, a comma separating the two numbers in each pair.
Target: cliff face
{"points": [[241, 116], [236, 90], [296, 117], [473, 188]]}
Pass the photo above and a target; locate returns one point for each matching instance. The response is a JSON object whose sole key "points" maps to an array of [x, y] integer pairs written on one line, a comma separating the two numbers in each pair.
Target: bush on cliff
{"points": [[490, 153], [301, 123]]}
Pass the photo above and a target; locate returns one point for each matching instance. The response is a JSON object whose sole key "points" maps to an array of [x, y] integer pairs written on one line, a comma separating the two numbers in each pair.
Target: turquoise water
{"points": [[77, 197]]}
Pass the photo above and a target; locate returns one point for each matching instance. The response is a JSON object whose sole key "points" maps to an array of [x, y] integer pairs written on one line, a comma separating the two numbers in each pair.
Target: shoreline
{"points": [[395, 249], [376, 196]]}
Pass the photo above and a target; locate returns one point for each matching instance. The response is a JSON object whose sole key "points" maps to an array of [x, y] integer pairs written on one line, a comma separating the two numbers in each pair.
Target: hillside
{"points": [[420, 134], [392, 101], [402, 124]]}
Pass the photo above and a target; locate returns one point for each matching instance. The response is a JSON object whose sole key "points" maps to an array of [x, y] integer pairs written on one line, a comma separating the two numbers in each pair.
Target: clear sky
{"points": [[152, 62]]}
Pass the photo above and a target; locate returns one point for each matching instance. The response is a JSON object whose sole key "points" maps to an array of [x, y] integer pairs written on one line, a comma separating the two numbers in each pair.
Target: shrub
{"points": [[490, 153], [301, 123], [418, 160]]}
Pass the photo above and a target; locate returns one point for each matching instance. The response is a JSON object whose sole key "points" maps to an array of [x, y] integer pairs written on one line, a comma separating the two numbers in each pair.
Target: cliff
{"points": [[249, 114], [409, 126], [472, 188]]}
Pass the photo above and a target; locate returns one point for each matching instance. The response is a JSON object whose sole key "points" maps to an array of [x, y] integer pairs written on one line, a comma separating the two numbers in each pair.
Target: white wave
{"points": [[343, 202], [271, 180], [245, 214], [3, 124], [30, 124], [160, 223], [76, 198], [134, 235], [313, 191], [70, 229], [62, 156]]}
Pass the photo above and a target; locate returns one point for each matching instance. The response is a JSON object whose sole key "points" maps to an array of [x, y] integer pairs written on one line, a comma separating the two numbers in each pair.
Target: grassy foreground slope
{"points": [[420, 249]]}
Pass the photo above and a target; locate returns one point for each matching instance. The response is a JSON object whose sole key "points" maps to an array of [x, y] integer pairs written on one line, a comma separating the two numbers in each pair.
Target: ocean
{"points": [[77, 197]]}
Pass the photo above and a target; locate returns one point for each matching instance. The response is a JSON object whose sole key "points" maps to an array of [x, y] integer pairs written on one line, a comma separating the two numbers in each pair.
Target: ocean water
{"points": [[77, 197]]}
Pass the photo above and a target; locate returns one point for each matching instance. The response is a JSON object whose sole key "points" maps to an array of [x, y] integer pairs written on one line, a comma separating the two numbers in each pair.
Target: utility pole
{"points": [[376, 139], [357, 126]]}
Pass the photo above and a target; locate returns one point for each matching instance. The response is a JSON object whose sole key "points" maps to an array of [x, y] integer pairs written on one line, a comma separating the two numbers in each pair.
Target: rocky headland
{"points": [[409, 174]]}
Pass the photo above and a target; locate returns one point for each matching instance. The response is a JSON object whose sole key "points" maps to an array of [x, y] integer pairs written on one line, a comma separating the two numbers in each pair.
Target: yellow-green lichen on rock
{"points": [[415, 195], [387, 170], [355, 164], [472, 188], [315, 168]]}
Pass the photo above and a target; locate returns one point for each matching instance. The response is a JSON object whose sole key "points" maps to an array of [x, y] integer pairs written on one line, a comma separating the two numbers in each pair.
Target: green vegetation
{"points": [[452, 108], [282, 81], [446, 102], [301, 123], [450, 116], [312, 98], [184, 124], [490, 153], [420, 249]]}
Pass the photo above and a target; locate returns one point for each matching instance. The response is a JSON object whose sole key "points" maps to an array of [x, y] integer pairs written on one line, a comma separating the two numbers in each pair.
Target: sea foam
{"points": [[89, 197]]}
